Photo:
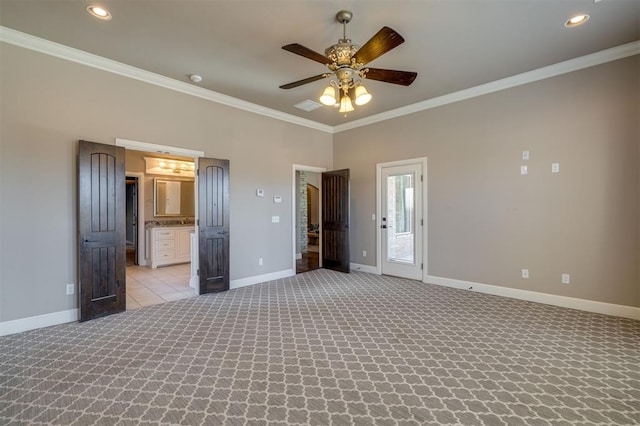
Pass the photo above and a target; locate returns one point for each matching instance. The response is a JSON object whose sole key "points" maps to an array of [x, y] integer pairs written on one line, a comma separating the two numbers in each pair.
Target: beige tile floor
{"points": [[146, 286]]}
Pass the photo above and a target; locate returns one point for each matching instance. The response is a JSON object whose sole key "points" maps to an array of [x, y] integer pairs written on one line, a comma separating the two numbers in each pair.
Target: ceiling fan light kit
{"points": [[346, 62]]}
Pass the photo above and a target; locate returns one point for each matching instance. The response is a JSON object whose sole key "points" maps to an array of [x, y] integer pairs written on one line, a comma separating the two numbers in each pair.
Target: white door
{"points": [[401, 221]]}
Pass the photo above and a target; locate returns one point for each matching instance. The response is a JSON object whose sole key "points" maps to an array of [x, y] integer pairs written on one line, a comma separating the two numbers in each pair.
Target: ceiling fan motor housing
{"points": [[341, 53]]}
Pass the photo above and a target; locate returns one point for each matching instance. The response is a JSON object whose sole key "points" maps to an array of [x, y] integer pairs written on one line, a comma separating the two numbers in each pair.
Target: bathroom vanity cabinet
{"points": [[170, 245]]}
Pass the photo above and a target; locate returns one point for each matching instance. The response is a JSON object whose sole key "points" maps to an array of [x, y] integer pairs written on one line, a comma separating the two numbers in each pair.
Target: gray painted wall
{"points": [[48, 104], [485, 221]]}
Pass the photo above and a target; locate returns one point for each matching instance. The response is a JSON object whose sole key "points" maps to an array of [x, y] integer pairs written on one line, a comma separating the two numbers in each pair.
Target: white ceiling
{"points": [[235, 45]]}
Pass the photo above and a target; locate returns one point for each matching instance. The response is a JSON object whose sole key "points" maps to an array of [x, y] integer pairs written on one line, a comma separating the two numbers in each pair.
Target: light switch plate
{"points": [[525, 155], [523, 170], [277, 199], [259, 192], [275, 219]]}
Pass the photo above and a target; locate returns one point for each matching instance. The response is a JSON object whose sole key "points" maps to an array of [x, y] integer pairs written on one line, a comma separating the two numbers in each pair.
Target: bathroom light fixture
{"points": [[164, 166], [576, 21], [99, 12]]}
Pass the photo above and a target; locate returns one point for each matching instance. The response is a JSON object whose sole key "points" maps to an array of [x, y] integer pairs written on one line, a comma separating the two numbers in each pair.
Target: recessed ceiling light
{"points": [[576, 20], [99, 12], [195, 78]]}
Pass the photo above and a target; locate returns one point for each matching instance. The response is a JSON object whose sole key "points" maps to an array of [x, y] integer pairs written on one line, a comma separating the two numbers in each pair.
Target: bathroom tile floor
{"points": [[146, 286]]}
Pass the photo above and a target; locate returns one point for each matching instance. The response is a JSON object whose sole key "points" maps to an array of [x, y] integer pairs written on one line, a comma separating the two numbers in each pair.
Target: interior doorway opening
{"points": [[307, 214], [131, 230], [146, 285], [307, 220]]}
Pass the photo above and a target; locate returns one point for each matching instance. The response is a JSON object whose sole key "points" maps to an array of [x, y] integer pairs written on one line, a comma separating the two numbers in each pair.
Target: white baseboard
{"points": [[257, 279], [532, 296], [364, 268], [39, 321]]}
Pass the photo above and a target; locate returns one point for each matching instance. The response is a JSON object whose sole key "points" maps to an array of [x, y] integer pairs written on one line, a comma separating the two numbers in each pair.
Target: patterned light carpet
{"points": [[328, 348]]}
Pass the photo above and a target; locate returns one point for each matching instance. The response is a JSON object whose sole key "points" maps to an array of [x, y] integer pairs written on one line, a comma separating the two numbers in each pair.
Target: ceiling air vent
{"points": [[307, 105]]}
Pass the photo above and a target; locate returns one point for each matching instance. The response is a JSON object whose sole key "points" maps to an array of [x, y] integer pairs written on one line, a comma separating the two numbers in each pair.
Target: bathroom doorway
{"points": [[145, 284]]}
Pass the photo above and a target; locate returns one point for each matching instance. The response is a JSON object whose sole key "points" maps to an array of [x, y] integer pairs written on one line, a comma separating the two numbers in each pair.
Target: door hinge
{"points": [[422, 222], [422, 266], [421, 178], [198, 222], [198, 272], [197, 172]]}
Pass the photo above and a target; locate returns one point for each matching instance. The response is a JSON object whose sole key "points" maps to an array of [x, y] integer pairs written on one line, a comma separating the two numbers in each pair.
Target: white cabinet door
{"points": [[183, 244]]}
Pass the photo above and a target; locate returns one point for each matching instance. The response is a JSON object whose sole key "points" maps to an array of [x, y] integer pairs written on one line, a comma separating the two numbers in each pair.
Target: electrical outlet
{"points": [[523, 170], [555, 168], [525, 273], [260, 261], [525, 155], [71, 288], [566, 278], [364, 253], [275, 219]]}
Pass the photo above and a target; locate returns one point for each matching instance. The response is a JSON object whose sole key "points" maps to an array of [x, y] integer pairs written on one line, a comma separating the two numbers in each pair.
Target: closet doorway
{"points": [[131, 220], [307, 208]]}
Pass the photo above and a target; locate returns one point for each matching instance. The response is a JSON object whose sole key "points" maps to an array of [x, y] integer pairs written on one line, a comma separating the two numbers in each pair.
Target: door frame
{"points": [[141, 246], [161, 149], [294, 213], [422, 161]]}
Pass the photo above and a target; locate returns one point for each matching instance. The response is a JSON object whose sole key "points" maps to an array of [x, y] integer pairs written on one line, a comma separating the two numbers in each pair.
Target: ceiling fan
{"points": [[347, 62]]}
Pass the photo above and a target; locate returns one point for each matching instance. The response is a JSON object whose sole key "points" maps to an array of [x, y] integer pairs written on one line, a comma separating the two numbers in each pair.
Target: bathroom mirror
{"points": [[173, 198]]}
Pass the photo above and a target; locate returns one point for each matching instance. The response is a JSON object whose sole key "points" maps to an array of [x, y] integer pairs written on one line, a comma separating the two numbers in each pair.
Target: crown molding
{"points": [[58, 50], [608, 55], [41, 45]]}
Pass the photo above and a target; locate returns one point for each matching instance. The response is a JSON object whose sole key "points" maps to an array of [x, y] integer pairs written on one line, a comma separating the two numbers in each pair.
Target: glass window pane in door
{"points": [[401, 218]]}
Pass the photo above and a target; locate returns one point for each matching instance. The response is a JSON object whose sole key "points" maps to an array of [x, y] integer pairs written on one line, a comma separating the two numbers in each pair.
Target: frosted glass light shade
{"points": [[362, 96], [345, 104], [328, 97]]}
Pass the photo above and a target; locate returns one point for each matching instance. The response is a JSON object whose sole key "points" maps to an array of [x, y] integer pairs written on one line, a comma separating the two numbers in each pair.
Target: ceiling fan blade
{"points": [[382, 42], [299, 49], [305, 81], [404, 78]]}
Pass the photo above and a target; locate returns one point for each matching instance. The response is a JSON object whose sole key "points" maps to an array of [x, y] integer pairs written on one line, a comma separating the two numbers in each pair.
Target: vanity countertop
{"points": [[168, 224]]}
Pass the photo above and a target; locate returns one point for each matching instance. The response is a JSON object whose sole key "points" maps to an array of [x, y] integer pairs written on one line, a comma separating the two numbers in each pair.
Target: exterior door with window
{"points": [[401, 221]]}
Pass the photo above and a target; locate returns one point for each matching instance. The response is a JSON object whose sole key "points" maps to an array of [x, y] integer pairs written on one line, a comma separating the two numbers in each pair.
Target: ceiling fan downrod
{"points": [[344, 17]]}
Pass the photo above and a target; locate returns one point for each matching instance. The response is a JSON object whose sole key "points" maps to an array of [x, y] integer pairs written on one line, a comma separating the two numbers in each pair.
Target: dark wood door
{"points": [[101, 230], [213, 224], [335, 220]]}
